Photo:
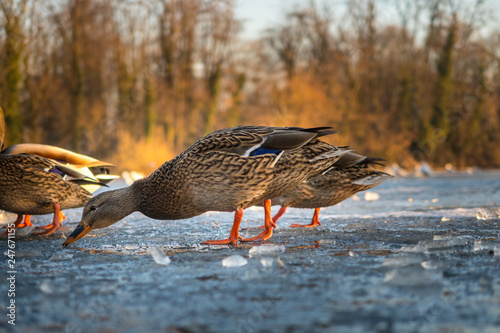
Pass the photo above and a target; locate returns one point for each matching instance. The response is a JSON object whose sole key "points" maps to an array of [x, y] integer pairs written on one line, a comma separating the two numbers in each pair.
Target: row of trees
{"points": [[408, 81]]}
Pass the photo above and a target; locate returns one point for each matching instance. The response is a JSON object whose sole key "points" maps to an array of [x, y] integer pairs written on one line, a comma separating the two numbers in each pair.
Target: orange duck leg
{"points": [[26, 223], [56, 222], [268, 225], [48, 226], [275, 219], [314, 222], [234, 236]]}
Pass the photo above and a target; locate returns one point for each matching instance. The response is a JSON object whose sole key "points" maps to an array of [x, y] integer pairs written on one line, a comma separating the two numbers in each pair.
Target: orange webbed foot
{"points": [[268, 225], [314, 222], [234, 236], [227, 241], [56, 223], [305, 225], [263, 236]]}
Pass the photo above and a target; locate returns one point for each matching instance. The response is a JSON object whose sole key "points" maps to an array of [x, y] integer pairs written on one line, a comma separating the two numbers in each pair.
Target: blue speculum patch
{"points": [[262, 151]]}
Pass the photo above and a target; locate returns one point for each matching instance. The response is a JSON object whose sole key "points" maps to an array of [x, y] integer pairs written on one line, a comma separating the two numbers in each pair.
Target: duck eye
{"points": [[92, 208]]}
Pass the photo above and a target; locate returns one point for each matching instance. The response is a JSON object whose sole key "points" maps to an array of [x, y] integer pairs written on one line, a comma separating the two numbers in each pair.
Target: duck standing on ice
{"points": [[228, 170], [32, 184]]}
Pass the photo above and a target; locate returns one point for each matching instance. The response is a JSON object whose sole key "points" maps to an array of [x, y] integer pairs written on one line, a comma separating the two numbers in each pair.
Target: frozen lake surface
{"points": [[424, 257]]}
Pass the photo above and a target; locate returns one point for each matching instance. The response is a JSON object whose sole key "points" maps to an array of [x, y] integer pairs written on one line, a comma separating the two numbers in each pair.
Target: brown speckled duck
{"points": [[228, 170], [351, 174], [35, 185]]}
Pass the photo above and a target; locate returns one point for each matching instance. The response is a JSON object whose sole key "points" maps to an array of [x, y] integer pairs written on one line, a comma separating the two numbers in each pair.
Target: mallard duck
{"points": [[35, 185], [228, 170], [351, 174]]}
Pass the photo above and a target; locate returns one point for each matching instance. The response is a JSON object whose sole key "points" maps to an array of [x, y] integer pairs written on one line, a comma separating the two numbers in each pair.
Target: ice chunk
{"points": [[353, 254], [430, 264], [439, 237], [402, 261], [266, 249], [130, 247], [47, 287], [488, 213], [234, 261], [280, 262], [371, 196], [266, 262], [61, 256], [441, 245], [447, 244], [23, 232], [420, 247], [159, 256], [413, 276], [355, 198], [326, 241], [485, 245], [444, 219]]}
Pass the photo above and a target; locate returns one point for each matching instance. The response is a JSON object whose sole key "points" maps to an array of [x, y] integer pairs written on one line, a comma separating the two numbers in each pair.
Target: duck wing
{"points": [[55, 153], [258, 140]]}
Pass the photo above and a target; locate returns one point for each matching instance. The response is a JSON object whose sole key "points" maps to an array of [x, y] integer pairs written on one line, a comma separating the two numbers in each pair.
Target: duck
{"points": [[351, 174], [41, 179], [228, 170]]}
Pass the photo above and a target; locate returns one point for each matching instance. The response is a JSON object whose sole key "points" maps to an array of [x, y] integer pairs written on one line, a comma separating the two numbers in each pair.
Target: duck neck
{"points": [[129, 199]]}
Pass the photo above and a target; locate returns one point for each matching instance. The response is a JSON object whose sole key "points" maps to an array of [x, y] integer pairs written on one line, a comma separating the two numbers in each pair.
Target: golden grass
{"points": [[144, 154]]}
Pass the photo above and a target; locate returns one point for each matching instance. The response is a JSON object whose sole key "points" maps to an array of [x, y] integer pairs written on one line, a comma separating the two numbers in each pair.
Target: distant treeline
{"points": [[136, 82]]}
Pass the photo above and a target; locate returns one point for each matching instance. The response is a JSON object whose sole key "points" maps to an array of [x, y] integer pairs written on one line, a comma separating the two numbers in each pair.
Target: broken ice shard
{"points": [[234, 261], [266, 249], [488, 213], [159, 256], [413, 276]]}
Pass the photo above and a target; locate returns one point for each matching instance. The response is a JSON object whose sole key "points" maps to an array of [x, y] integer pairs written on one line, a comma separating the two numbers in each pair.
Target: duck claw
{"points": [[263, 236], [227, 241]]}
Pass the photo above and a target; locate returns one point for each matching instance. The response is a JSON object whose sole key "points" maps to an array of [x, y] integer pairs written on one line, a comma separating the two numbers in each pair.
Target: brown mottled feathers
{"points": [[335, 186], [220, 173], [28, 186]]}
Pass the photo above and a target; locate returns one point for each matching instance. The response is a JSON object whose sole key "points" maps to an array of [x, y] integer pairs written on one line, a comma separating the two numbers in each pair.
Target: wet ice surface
{"points": [[392, 265]]}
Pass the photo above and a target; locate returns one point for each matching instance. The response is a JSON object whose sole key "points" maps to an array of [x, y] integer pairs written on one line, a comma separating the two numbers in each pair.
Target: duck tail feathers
{"points": [[333, 153], [374, 179]]}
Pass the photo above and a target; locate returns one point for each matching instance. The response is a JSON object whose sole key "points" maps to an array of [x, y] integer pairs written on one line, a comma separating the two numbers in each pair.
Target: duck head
{"points": [[103, 210]]}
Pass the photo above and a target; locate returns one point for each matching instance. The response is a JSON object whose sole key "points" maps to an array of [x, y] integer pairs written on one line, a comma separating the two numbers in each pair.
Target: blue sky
{"points": [[259, 14]]}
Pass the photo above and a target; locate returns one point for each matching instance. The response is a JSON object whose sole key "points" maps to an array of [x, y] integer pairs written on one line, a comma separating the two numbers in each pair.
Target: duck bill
{"points": [[80, 231]]}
